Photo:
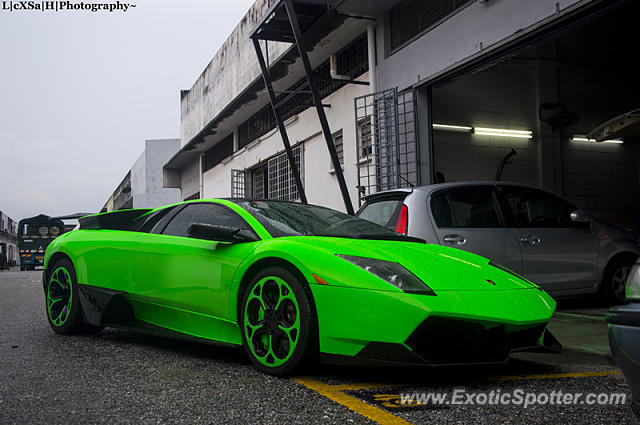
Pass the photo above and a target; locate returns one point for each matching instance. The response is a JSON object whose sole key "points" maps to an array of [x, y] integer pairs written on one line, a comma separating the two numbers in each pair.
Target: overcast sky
{"points": [[81, 91]]}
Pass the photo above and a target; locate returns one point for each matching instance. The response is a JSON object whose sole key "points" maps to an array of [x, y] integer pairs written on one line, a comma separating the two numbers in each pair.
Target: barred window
{"points": [[364, 136], [259, 183], [413, 17], [238, 183], [281, 182], [338, 142]]}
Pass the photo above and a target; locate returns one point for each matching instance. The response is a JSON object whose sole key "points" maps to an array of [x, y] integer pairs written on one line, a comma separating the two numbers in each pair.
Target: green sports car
{"points": [[288, 281]]}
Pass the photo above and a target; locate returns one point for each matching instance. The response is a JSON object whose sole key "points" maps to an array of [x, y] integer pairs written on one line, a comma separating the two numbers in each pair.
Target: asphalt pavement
{"points": [[120, 376]]}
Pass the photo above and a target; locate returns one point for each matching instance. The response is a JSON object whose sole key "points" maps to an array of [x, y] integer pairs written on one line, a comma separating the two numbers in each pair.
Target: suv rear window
{"points": [[383, 211]]}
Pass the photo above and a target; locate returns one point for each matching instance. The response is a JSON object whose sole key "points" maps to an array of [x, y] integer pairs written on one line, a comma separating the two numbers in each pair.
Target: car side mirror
{"points": [[579, 216], [213, 232]]}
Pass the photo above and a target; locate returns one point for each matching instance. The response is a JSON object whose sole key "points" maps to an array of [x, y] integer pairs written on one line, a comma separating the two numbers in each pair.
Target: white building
{"points": [[142, 186], [9, 239], [449, 78]]}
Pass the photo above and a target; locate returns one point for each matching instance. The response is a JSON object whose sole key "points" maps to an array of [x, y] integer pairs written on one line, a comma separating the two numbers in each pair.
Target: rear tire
{"points": [[613, 285], [277, 321], [61, 299]]}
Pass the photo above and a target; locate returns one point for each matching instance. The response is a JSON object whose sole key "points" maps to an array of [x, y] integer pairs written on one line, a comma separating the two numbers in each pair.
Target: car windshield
{"points": [[294, 219]]}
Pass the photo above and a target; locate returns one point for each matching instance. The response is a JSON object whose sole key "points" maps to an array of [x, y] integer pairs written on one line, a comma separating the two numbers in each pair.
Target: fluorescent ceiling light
{"points": [[584, 139], [500, 132], [484, 131], [452, 127]]}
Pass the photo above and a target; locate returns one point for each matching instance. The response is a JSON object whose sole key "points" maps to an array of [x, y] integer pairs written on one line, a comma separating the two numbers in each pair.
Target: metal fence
{"points": [[386, 142]]}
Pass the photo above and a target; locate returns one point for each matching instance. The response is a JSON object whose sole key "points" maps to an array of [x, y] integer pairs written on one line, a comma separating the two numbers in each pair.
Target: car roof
{"points": [[427, 189]]}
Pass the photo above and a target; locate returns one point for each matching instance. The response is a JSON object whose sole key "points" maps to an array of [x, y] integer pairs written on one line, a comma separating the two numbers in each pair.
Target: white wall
{"points": [[146, 175], [190, 179], [321, 186]]}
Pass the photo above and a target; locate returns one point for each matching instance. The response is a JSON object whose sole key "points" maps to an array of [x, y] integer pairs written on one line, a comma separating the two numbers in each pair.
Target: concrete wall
{"points": [[230, 71], [502, 97], [472, 31], [139, 180], [146, 175], [190, 180], [320, 184]]}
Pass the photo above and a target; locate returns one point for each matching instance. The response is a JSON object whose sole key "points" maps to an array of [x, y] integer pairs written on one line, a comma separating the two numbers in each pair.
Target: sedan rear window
{"points": [[383, 212]]}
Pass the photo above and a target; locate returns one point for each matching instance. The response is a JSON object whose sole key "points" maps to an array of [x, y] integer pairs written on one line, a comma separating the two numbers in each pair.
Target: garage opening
{"points": [[541, 101]]}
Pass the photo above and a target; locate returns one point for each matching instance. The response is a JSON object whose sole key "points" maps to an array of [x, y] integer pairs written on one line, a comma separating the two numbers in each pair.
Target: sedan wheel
{"points": [[615, 279], [619, 281]]}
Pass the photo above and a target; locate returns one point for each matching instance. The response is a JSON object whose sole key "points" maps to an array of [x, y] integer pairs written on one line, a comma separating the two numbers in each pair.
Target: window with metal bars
{"points": [[281, 183], [338, 142], [218, 153], [413, 17], [238, 183], [352, 61], [365, 147]]}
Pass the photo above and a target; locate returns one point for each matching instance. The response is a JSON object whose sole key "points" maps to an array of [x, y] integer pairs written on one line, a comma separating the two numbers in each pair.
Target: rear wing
{"points": [[114, 220]]}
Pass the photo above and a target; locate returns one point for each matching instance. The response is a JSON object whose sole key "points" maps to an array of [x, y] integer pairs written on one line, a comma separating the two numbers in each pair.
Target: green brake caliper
{"points": [[272, 321], [59, 296]]}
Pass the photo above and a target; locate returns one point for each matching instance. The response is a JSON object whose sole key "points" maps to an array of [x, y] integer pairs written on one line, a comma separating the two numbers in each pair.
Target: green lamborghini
{"points": [[288, 282]]}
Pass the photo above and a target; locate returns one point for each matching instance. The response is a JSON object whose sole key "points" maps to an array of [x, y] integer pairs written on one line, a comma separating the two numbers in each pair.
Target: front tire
{"points": [[277, 321], [62, 300]]}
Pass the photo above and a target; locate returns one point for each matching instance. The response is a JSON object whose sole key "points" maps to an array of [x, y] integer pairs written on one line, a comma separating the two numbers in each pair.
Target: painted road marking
{"points": [[336, 393]]}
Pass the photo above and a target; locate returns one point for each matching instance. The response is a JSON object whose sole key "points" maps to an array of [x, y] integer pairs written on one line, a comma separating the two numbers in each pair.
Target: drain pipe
{"points": [[371, 49]]}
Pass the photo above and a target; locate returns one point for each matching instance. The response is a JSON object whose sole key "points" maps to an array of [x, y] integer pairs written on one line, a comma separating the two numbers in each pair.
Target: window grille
{"points": [[238, 184], [387, 147], [281, 183], [337, 141], [413, 17], [258, 179]]}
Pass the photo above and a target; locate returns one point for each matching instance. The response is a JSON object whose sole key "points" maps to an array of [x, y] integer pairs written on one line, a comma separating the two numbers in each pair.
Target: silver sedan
{"points": [[531, 231]]}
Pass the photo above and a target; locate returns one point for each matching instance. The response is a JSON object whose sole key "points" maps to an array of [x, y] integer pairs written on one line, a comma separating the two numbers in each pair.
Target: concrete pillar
{"points": [[547, 139], [425, 137]]}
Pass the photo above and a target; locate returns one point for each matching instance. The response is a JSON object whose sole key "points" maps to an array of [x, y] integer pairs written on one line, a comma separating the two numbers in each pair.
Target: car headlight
{"points": [[633, 283], [390, 272]]}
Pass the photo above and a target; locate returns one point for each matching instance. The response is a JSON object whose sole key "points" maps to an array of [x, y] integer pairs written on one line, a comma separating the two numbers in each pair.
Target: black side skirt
{"points": [[106, 307]]}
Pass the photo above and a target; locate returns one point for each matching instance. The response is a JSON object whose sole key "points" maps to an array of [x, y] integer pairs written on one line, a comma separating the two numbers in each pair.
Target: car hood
{"points": [[441, 268]]}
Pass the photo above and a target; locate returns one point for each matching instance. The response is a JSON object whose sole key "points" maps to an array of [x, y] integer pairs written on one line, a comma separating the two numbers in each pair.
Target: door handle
{"points": [[454, 239], [530, 239]]}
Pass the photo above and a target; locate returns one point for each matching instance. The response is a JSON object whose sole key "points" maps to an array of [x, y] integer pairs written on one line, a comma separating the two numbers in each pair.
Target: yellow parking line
{"points": [[334, 392], [364, 386], [554, 375]]}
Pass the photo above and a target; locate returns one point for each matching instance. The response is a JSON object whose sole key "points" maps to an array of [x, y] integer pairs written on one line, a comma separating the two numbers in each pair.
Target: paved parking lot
{"points": [[125, 377]]}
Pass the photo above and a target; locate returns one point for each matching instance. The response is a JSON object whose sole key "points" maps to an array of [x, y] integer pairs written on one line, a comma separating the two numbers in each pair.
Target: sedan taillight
{"points": [[403, 220]]}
